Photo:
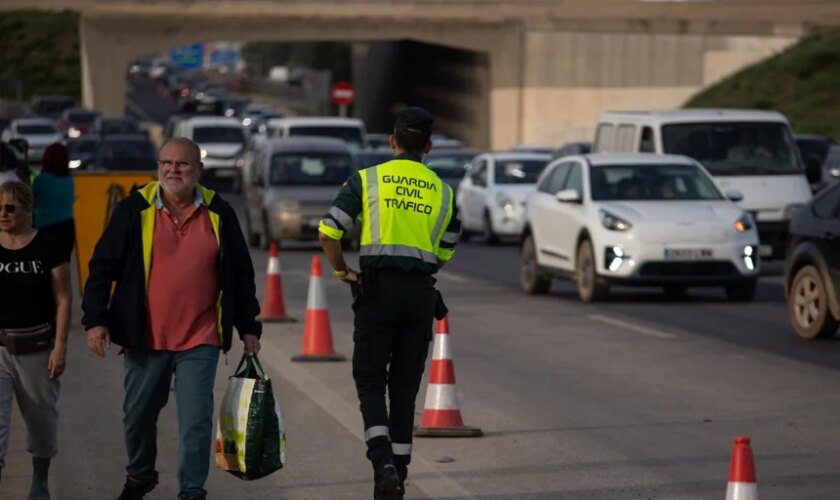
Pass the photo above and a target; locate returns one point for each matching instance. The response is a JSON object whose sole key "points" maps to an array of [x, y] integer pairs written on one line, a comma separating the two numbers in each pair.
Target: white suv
{"points": [[636, 219]]}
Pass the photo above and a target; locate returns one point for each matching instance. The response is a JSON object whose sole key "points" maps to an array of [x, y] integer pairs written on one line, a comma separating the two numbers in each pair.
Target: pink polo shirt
{"points": [[183, 282]]}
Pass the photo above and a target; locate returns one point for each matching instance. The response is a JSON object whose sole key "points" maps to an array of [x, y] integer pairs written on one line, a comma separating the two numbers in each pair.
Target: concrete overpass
{"points": [[524, 71]]}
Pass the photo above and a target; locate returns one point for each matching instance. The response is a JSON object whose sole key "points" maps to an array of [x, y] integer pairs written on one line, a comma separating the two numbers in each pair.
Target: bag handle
{"points": [[253, 368]]}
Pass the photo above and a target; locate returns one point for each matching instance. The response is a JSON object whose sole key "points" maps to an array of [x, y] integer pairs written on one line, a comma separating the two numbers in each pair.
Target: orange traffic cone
{"points": [[442, 412], [317, 332], [742, 484], [273, 308]]}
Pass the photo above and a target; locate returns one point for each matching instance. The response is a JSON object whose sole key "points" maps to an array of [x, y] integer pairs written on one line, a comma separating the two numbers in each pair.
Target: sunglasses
{"points": [[9, 208]]}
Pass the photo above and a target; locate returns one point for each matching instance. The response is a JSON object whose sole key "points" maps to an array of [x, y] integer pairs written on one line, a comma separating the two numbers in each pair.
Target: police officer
{"points": [[409, 230]]}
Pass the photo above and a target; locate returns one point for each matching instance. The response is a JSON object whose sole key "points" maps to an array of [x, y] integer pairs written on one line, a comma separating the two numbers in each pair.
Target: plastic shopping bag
{"points": [[250, 437]]}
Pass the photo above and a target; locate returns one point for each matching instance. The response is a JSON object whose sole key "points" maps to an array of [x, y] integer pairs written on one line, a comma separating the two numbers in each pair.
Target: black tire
{"points": [[252, 237], [589, 290], [533, 279], [808, 306], [265, 234], [490, 237], [743, 291]]}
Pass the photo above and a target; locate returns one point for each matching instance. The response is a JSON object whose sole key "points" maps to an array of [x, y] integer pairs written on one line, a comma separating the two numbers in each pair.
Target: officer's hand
{"points": [[99, 340], [252, 344], [351, 276]]}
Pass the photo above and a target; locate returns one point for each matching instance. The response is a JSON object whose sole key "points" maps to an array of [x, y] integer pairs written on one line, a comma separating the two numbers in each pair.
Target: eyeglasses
{"points": [[9, 208], [171, 163]]}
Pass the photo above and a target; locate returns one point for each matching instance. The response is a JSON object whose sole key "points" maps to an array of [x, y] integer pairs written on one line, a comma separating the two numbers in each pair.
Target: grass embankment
{"points": [[803, 82], [39, 54]]}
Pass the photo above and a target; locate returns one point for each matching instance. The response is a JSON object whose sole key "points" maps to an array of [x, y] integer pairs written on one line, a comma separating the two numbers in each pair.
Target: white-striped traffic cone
{"points": [[273, 308], [442, 412], [742, 484], [317, 331]]}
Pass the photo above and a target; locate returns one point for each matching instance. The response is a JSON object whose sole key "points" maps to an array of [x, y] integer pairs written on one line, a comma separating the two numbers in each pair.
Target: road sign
{"points": [[188, 57], [343, 94]]}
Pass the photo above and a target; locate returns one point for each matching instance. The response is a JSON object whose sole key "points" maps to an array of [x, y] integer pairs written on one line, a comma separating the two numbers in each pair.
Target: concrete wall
{"points": [[570, 78]]}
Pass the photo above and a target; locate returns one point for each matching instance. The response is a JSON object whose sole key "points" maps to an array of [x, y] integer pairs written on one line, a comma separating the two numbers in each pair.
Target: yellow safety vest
{"points": [[405, 211]]}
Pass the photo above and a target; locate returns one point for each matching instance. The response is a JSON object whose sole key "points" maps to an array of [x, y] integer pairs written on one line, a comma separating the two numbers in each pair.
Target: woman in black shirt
{"points": [[34, 322]]}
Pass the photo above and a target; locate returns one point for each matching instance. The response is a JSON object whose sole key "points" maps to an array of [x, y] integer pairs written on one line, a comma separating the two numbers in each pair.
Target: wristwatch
{"points": [[340, 274]]}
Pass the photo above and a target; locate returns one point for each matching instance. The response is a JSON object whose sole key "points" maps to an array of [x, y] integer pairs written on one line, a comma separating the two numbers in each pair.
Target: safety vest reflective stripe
{"points": [[397, 251], [451, 238], [372, 186], [442, 215], [376, 431], [341, 217]]}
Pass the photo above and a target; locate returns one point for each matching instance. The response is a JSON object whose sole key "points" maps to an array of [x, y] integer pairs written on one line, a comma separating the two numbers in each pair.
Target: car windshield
{"points": [[76, 148], [351, 135], [651, 182], [734, 148], [219, 135], [126, 155], [519, 171], [119, 127], [310, 169], [39, 129], [81, 117], [451, 166]]}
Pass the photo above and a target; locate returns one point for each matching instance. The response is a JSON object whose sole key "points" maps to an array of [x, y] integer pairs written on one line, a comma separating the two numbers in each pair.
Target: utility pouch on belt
{"points": [[440, 306], [27, 340]]}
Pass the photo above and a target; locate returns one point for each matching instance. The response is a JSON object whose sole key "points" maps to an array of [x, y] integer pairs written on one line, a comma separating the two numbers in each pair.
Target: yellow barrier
{"points": [[96, 196]]}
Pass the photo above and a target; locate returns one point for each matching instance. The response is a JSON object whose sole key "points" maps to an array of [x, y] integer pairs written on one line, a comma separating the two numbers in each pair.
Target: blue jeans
{"points": [[148, 376]]}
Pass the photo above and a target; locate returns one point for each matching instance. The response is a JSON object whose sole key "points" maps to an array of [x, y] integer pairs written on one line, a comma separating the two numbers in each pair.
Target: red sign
{"points": [[343, 94]]}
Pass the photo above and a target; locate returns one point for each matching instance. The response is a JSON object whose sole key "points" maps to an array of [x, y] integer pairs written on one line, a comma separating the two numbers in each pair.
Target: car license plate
{"points": [[688, 253], [765, 250]]}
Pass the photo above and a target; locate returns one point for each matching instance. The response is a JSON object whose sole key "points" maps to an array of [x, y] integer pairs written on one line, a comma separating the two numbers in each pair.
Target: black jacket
{"points": [[123, 255]]}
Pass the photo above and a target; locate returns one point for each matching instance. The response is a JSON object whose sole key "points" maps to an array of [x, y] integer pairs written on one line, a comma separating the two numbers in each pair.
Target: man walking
{"points": [[184, 279], [409, 231]]}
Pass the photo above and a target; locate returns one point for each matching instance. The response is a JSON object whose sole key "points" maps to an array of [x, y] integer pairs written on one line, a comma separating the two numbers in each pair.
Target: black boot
{"points": [[135, 489], [387, 484], [40, 489]]}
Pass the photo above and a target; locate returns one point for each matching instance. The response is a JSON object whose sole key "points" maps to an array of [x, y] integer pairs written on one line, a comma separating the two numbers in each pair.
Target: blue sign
{"points": [[188, 57], [224, 58]]}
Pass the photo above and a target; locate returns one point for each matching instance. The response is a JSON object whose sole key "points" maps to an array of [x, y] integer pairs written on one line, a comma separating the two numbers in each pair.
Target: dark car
{"points": [[372, 157], [76, 122], [450, 164], [81, 149], [814, 150], [812, 268], [50, 106], [115, 125], [123, 152]]}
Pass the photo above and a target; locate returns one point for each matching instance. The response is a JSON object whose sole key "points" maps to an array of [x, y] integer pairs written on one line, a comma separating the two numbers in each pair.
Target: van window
{"points": [[646, 144], [603, 137], [735, 148], [351, 135], [626, 142]]}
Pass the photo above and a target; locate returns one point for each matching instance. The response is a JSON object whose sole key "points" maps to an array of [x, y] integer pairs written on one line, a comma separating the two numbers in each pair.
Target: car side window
{"points": [[575, 179], [827, 205], [479, 173], [646, 144], [558, 178]]}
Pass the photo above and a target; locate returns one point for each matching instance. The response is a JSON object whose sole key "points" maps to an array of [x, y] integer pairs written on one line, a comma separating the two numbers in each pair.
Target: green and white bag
{"points": [[250, 437]]}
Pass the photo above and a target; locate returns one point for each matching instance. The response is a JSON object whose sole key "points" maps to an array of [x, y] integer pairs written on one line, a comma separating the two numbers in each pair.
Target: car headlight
{"points": [[614, 222], [74, 133], [75, 163], [744, 223], [791, 209], [203, 153]]}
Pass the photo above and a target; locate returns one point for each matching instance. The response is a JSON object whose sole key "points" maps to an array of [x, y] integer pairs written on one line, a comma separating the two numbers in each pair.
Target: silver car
{"points": [[38, 132], [290, 184]]}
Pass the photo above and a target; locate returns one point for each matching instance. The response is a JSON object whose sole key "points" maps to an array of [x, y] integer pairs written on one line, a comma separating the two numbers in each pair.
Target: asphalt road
{"points": [[638, 397]]}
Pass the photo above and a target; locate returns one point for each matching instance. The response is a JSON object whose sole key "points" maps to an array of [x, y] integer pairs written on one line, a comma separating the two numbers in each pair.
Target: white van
{"points": [[751, 152], [349, 130], [222, 141]]}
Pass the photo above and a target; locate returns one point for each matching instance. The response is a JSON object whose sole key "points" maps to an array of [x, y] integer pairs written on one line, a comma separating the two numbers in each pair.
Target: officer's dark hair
{"points": [[411, 141]]}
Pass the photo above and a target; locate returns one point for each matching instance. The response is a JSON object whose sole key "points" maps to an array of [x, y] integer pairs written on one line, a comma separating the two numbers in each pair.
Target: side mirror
{"points": [[569, 196], [734, 195], [835, 173], [813, 170]]}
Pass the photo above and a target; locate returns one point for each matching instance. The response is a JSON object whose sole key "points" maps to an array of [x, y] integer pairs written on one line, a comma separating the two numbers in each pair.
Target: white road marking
{"points": [[650, 332], [424, 476]]}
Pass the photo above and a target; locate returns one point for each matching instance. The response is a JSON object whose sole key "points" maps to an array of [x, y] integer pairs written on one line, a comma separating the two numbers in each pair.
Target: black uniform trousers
{"points": [[394, 314]]}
